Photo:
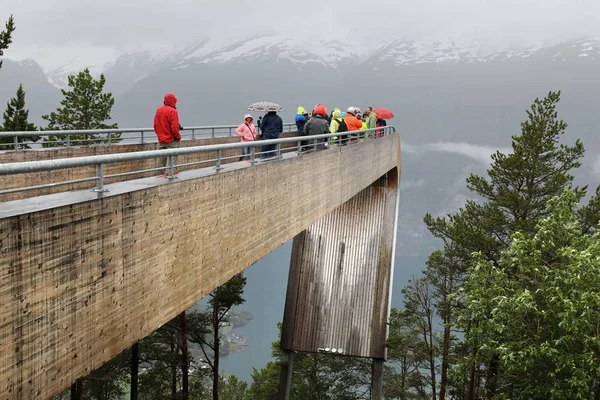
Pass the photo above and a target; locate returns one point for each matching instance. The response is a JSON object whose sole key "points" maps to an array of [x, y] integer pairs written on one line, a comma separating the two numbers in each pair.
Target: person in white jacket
{"points": [[247, 132]]}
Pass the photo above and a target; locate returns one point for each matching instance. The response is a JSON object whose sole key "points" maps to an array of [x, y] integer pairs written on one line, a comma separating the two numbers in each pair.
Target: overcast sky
{"points": [[65, 29]]}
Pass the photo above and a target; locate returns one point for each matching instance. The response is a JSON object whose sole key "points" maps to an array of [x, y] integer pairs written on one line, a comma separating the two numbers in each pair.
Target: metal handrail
{"points": [[146, 135], [101, 160]]}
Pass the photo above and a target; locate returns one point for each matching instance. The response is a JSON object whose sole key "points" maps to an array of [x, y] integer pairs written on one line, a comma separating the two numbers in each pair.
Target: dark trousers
{"points": [[268, 151]]}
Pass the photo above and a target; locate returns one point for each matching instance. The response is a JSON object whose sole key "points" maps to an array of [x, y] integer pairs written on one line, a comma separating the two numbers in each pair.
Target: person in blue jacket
{"points": [[301, 118], [271, 127]]}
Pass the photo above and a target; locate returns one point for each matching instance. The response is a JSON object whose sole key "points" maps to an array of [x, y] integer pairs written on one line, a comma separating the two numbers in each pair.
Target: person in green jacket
{"points": [[370, 118], [337, 125]]}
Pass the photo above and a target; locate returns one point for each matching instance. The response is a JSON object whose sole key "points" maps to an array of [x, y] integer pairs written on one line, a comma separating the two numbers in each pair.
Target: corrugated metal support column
{"points": [[339, 287]]}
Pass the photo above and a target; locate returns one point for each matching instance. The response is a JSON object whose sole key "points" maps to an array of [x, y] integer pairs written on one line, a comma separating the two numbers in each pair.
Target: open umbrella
{"points": [[265, 106], [384, 113]]}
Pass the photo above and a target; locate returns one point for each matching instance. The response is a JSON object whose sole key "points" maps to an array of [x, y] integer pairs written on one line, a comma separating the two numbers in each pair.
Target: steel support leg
{"points": [[285, 375], [377, 379]]}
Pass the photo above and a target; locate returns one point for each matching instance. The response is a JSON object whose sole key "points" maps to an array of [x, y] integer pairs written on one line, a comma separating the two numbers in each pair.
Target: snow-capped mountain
{"points": [[330, 54]]}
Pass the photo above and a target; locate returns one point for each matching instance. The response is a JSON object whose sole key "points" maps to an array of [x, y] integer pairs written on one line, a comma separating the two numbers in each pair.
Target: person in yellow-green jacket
{"points": [[370, 118], [337, 125]]}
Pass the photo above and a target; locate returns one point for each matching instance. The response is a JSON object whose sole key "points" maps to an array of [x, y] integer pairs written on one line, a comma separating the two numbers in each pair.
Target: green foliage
{"points": [[228, 295], [538, 308], [6, 36], [232, 388], [105, 383], [517, 187], [405, 375], [83, 107], [206, 326], [511, 198], [315, 377], [15, 120]]}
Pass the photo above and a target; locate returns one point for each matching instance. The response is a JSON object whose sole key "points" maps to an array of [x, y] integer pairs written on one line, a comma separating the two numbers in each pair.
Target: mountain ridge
{"points": [[330, 54]]}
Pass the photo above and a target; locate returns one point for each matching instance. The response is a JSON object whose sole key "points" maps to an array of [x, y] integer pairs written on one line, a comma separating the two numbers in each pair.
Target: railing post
{"points": [[142, 137], [230, 129], [252, 155], [218, 164], [16, 143], [171, 167], [278, 150], [315, 144], [109, 140], [299, 147], [100, 180], [193, 134], [68, 140], [213, 133]]}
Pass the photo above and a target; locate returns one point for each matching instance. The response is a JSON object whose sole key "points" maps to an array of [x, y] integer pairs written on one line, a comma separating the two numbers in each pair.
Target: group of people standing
{"points": [[317, 122]]}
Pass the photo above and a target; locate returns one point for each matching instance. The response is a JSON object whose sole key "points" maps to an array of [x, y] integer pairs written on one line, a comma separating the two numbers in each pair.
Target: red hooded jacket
{"points": [[166, 120]]}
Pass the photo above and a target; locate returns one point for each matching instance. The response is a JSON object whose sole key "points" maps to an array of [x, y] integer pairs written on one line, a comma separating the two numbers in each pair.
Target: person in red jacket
{"points": [[166, 126]]}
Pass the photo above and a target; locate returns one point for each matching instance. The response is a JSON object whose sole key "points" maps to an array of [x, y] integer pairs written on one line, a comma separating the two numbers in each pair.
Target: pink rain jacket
{"points": [[246, 131]]}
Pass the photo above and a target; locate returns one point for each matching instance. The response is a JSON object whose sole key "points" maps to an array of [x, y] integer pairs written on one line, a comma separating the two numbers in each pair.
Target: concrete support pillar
{"points": [[285, 376]]}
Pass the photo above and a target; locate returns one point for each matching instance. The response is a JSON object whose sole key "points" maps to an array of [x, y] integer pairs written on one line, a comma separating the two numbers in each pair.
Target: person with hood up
{"points": [[337, 125], [317, 125], [301, 118], [247, 132], [272, 127], [167, 128]]}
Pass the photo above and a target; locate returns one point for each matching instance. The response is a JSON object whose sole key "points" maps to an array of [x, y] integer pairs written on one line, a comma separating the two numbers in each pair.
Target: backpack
{"points": [[342, 125]]}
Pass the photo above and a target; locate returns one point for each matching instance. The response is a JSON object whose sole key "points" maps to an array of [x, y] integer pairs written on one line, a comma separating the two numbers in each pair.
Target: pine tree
{"points": [[16, 120], [316, 376], [6, 36], [205, 328], [84, 106], [512, 197], [543, 325]]}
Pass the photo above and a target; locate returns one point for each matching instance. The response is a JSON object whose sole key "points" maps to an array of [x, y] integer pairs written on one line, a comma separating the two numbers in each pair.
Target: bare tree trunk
{"points": [[471, 392], [491, 381], [134, 371], [185, 362], [431, 357], [173, 374], [77, 390], [447, 338], [217, 345]]}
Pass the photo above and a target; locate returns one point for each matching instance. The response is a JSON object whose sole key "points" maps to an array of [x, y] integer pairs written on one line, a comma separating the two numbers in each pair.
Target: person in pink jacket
{"points": [[247, 132]]}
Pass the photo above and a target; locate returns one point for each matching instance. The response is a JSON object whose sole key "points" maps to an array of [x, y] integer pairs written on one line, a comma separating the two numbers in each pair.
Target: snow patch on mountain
{"points": [[265, 48], [304, 51]]}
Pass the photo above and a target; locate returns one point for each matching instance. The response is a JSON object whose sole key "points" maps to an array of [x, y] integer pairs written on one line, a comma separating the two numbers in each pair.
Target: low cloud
{"points": [[596, 166], [476, 152], [412, 184]]}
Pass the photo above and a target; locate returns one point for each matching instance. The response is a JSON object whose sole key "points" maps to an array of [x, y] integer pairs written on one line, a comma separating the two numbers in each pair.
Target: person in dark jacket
{"points": [[258, 123], [166, 127], [271, 127], [318, 124]]}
